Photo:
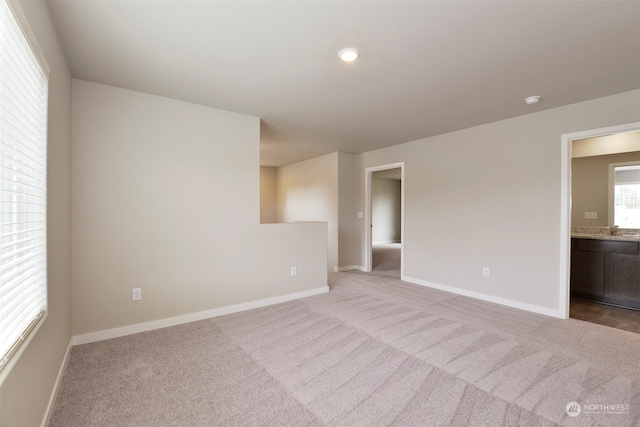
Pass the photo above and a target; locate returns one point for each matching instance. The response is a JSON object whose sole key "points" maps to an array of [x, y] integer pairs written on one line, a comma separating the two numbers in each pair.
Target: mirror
{"points": [[593, 180], [624, 195]]}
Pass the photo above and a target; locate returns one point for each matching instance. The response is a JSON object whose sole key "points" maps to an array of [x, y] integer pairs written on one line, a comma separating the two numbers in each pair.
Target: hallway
{"points": [[386, 259]]}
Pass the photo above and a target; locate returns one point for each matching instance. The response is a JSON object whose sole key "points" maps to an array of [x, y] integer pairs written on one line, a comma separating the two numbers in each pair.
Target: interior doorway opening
{"points": [[385, 219], [570, 207]]}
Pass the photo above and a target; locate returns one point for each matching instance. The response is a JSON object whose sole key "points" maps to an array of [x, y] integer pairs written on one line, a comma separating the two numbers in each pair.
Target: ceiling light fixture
{"points": [[349, 54], [532, 100]]}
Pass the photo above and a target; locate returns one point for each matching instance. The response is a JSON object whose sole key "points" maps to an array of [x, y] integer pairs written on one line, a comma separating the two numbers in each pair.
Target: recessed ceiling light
{"points": [[349, 54], [532, 100]]}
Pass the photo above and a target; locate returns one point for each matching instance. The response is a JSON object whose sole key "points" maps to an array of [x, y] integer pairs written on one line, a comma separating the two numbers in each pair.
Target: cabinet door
{"points": [[587, 273], [622, 277]]}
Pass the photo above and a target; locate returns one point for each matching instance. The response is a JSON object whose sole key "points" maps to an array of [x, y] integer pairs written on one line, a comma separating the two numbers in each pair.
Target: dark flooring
{"points": [[607, 315]]}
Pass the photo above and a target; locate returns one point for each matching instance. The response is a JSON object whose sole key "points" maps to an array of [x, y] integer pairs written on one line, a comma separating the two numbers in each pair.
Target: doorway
{"points": [[384, 224], [570, 208]]}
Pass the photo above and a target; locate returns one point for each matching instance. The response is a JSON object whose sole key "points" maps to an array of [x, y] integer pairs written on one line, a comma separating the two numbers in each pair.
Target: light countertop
{"points": [[604, 233], [623, 237]]}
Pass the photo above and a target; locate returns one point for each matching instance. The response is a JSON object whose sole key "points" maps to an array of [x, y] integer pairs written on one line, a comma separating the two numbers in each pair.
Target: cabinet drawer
{"points": [[607, 246]]}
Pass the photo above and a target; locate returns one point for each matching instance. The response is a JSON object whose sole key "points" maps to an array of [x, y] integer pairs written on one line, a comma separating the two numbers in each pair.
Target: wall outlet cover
{"points": [[591, 215]]}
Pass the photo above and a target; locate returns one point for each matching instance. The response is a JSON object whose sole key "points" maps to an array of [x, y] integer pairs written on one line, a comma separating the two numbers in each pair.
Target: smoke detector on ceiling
{"points": [[532, 100]]}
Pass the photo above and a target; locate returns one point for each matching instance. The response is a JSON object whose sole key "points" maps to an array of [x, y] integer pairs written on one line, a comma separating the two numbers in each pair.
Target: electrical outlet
{"points": [[136, 294], [294, 271], [485, 272], [591, 215]]}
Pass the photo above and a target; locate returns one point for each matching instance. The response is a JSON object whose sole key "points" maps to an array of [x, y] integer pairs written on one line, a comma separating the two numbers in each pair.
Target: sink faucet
{"points": [[613, 230]]}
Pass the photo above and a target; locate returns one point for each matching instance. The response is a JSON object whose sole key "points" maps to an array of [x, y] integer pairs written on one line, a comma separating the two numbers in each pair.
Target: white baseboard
{"points": [[386, 242], [477, 295], [56, 386], [192, 317], [349, 268]]}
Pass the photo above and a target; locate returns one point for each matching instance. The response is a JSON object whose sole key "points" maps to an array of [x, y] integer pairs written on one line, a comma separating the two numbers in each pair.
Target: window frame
{"points": [[611, 187], [13, 11]]}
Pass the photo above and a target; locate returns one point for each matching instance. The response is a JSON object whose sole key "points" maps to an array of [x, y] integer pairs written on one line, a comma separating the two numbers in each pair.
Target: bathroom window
{"points": [[626, 194]]}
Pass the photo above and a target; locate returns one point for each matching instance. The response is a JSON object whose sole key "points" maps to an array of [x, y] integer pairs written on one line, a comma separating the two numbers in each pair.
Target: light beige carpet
{"points": [[385, 259], [374, 351]]}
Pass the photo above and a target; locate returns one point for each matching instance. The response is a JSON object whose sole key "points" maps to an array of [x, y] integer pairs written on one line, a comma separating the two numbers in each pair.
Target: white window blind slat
{"points": [[19, 182], [21, 95], [6, 236], [13, 137], [15, 288], [20, 129], [23, 159], [10, 245], [22, 257]]}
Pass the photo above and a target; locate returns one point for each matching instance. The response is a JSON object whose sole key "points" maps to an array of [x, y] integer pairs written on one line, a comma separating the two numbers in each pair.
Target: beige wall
{"points": [[268, 203], [489, 196], [308, 191], [347, 213], [282, 246], [385, 210], [603, 145], [323, 189], [590, 187], [166, 198], [28, 382]]}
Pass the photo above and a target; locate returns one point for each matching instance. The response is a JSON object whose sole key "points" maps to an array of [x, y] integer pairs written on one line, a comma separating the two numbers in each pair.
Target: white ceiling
{"points": [[426, 67]]}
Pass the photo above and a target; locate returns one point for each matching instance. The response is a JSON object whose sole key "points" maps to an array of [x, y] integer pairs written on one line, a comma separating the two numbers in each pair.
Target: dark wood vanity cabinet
{"points": [[606, 271]]}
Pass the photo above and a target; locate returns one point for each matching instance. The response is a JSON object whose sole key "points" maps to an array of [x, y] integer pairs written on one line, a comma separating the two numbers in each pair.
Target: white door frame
{"points": [[565, 204], [368, 172]]}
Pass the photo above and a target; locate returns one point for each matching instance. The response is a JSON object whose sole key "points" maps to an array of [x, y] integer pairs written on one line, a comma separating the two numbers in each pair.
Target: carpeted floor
{"points": [[374, 351], [385, 259]]}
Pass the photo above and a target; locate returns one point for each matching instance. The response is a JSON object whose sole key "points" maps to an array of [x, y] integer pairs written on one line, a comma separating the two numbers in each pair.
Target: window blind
{"points": [[23, 172]]}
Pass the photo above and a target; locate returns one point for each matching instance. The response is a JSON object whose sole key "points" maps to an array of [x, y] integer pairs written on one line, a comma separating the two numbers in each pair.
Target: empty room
{"points": [[319, 213]]}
